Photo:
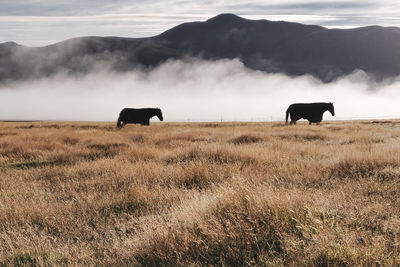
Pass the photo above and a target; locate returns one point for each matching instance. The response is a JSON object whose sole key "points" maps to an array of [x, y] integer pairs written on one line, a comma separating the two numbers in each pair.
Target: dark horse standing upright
{"points": [[138, 115], [311, 111]]}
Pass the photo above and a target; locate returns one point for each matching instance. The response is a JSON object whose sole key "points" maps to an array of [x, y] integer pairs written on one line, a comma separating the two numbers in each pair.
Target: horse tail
{"points": [[287, 115], [119, 122]]}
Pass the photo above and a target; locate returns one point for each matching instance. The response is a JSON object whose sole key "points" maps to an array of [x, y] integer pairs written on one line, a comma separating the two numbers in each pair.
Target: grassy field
{"points": [[258, 194]]}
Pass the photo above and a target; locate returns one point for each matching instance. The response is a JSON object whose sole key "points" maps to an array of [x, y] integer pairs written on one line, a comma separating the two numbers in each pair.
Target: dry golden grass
{"points": [[259, 194]]}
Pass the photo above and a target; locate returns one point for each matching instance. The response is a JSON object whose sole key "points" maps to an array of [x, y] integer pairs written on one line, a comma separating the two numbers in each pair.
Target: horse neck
{"points": [[326, 108], [156, 112]]}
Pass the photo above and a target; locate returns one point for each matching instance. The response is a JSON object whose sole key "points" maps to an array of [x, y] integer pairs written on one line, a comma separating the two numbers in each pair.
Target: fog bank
{"points": [[195, 91]]}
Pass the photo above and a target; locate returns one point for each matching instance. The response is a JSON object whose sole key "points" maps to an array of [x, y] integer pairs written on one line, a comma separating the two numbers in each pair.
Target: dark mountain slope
{"points": [[270, 46], [230, 36], [331, 53]]}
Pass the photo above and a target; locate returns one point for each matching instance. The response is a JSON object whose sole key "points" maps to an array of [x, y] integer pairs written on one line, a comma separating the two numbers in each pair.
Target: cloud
{"points": [[88, 7], [307, 7], [195, 91], [102, 7]]}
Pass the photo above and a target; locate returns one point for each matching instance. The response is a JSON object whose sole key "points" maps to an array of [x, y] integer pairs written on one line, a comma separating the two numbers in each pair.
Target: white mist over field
{"points": [[195, 91]]}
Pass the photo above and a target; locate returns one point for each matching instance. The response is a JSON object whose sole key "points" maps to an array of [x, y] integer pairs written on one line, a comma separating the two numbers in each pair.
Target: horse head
{"points": [[331, 108], [159, 114]]}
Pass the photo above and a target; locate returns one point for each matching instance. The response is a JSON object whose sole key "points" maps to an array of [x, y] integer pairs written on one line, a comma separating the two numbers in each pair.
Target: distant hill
{"points": [[270, 46]]}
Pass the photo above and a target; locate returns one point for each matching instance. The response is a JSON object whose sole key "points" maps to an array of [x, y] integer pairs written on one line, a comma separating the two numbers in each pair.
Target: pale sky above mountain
{"points": [[42, 22]]}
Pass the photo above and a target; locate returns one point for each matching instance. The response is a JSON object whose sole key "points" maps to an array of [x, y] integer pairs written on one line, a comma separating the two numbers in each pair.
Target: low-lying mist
{"points": [[195, 91]]}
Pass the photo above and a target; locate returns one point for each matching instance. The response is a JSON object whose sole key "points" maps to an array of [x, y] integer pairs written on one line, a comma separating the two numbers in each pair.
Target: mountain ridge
{"points": [[270, 46]]}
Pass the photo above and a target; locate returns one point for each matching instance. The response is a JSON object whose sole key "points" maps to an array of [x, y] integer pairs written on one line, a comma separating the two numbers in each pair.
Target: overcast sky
{"points": [[42, 22]]}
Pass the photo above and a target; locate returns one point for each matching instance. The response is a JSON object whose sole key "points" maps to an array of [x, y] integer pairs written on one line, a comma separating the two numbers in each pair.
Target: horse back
{"points": [[306, 107], [310, 111], [135, 115]]}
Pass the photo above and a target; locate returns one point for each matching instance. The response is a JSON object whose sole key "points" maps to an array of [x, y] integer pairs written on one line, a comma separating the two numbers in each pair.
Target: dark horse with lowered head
{"points": [[138, 115], [310, 111]]}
